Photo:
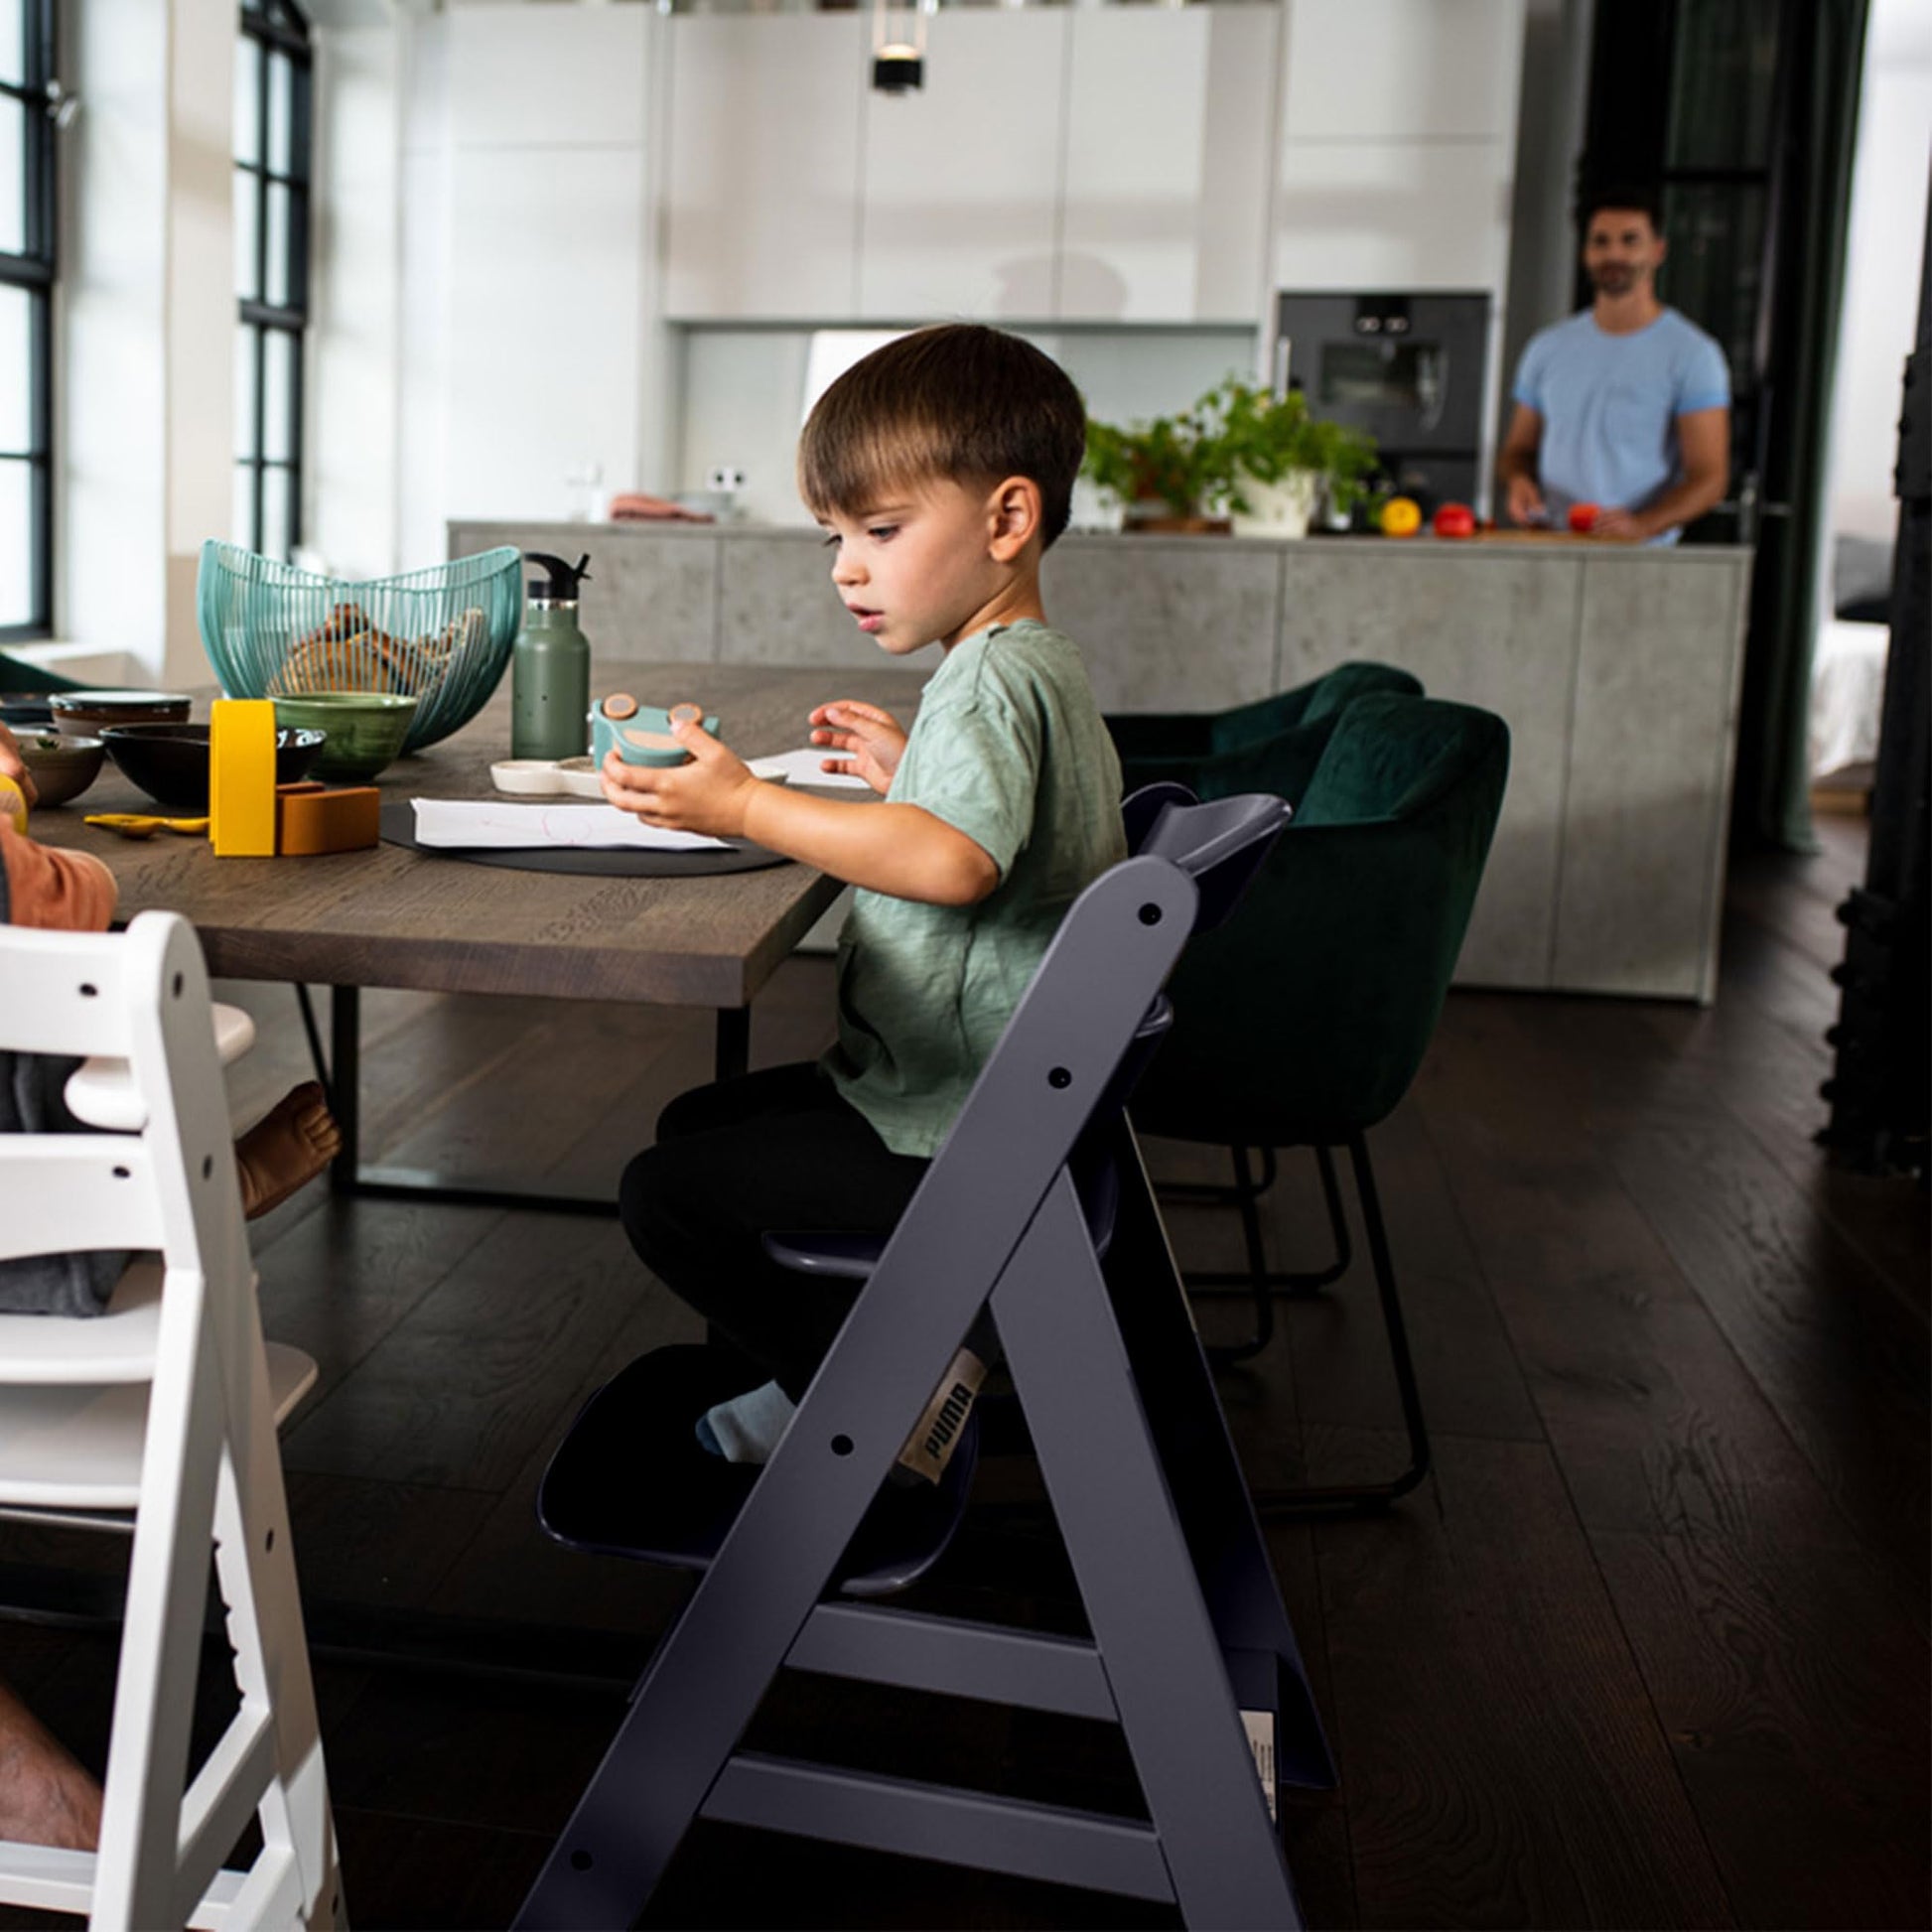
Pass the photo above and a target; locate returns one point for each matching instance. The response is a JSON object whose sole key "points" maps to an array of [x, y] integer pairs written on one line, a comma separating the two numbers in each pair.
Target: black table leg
{"points": [[734, 1042], [347, 1175]]}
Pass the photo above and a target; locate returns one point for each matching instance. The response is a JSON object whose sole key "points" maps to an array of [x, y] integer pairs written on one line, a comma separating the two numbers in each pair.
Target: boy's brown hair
{"points": [[960, 401]]}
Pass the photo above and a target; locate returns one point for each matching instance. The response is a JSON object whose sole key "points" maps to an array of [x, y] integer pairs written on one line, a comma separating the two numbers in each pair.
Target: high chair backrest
{"points": [[140, 997], [192, 1454]]}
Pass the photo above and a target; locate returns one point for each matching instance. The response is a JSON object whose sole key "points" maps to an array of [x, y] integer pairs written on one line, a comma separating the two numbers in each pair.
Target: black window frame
{"points": [[278, 27], [35, 269]]}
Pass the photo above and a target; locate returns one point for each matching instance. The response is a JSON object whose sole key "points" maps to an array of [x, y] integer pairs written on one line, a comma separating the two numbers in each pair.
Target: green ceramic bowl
{"points": [[366, 728]]}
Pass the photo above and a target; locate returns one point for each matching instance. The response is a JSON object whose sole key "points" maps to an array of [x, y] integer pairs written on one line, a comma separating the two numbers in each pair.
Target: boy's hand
{"points": [[869, 742], [14, 766], [707, 795]]}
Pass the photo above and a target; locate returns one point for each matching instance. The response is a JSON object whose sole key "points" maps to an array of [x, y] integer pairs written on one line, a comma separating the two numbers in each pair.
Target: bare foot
{"points": [[286, 1148], [46, 1798]]}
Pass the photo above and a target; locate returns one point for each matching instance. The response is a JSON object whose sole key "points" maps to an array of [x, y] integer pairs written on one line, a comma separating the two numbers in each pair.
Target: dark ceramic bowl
{"points": [[83, 713], [60, 767], [170, 762]]}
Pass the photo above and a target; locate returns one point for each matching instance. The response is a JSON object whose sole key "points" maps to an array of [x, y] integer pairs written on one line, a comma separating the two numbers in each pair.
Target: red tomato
{"points": [[1456, 520], [1582, 518]]}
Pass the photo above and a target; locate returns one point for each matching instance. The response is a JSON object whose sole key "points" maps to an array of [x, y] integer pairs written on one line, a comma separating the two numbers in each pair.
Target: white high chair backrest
{"points": [[192, 1452]]}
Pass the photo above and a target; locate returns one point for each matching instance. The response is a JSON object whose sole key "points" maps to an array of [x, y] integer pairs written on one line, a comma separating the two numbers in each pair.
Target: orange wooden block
{"points": [[311, 819]]}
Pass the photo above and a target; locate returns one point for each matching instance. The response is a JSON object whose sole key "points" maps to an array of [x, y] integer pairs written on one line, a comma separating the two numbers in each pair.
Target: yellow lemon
{"points": [[13, 805], [1401, 516]]}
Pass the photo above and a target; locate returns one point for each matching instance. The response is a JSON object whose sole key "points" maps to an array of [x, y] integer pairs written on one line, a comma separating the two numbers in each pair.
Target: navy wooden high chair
{"points": [[1039, 1208]]}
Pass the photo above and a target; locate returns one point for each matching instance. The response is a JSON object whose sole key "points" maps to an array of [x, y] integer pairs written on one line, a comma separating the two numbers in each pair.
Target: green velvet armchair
{"points": [[1302, 1021], [1271, 745]]}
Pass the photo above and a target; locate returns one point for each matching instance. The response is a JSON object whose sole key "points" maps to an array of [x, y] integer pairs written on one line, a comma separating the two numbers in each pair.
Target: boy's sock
{"points": [[748, 1427]]}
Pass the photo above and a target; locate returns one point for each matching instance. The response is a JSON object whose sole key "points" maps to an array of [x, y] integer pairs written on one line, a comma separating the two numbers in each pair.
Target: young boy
{"points": [[941, 468]]}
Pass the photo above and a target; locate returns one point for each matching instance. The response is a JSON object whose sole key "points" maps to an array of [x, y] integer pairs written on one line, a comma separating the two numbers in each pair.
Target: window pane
{"points": [[242, 521], [16, 543], [281, 109], [277, 266], [16, 375], [247, 99], [13, 41], [247, 212], [278, 498], [244, 391], [12, 175], [278, 395]]}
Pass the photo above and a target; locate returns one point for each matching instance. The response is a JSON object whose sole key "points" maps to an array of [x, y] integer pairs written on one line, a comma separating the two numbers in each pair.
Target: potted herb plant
{"points": [[1166, 472], [1240, 451], [1280, 459]]}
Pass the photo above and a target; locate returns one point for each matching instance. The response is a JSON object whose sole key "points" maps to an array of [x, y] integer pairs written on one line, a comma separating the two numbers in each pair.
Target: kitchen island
{"points": [[1616, 668]]}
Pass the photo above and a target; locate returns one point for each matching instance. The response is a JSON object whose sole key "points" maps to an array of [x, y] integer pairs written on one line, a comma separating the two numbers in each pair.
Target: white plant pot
{"points": [[1280, 510]]}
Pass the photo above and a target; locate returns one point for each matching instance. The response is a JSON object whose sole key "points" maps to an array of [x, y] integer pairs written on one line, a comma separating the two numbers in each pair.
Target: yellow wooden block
{"points": [[242, 777]]}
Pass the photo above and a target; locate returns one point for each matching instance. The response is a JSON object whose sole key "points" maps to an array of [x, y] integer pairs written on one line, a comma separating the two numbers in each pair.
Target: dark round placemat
{"points": [[610, 862]]}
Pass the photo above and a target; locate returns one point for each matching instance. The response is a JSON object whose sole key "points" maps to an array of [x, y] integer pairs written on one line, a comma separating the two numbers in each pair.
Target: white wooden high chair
{"points": [[166, 1406]]}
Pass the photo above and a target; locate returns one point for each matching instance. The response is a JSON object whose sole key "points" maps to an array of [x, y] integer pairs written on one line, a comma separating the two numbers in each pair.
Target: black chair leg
{"points": [[1242, 1196], [1245, 1194], [1261, 1283], [1362, 1498]]}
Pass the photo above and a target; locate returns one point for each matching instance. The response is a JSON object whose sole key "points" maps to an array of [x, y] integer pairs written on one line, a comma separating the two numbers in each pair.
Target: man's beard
{"points": [[1613, 279]]}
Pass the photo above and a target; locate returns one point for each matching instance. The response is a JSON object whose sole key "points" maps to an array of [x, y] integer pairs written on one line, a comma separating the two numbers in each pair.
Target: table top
{"points": [[400, 919]]}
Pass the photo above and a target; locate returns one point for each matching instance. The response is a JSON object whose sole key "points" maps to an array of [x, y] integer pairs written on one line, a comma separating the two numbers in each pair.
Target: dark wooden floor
{"points": [[1649, 1649]]}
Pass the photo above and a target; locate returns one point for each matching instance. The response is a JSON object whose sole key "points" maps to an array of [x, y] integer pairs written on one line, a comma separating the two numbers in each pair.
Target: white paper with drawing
{"points": [[456, 822]]}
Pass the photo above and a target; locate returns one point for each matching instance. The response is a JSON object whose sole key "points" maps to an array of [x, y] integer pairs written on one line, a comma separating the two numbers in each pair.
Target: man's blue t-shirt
{"points": [[1609, 406]]}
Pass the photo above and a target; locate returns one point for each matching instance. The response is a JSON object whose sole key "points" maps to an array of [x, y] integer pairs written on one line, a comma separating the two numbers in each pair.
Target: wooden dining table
{"points": [[395, 918]]}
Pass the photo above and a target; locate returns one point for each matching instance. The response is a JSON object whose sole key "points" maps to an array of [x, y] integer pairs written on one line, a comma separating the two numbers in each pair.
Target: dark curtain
{"points": [[1826, 45]]}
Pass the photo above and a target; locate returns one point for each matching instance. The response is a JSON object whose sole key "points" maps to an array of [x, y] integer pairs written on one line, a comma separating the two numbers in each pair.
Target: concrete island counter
{"points": [[1616, 668]]}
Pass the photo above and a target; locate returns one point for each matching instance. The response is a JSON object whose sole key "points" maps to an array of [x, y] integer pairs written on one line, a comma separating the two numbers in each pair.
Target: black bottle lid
{"points": [[559, 586]]}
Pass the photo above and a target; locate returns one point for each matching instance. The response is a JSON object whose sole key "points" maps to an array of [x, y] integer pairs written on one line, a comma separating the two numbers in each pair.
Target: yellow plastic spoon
{"points": [[142, 825]]}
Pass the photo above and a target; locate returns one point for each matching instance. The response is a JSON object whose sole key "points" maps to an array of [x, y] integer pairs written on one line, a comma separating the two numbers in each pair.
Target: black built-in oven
{"points": [[1407, 368]]}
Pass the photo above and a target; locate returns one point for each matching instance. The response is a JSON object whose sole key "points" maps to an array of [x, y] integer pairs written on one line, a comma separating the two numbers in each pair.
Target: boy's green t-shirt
{"points": [[1010, 749]]}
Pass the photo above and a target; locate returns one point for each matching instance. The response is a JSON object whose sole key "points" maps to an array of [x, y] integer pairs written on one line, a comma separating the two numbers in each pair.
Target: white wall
{"points": [[1883, 266]]}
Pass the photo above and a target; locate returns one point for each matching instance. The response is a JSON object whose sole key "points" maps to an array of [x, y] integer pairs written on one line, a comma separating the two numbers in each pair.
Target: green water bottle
{"points": [[550, 665]]}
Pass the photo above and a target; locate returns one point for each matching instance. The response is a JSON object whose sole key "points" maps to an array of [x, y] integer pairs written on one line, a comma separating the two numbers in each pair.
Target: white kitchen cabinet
{"points": [[1393, 214], [547, 76], [546, 255], [1169, 130], [762, 193], [1403, 69], [961, 178]]}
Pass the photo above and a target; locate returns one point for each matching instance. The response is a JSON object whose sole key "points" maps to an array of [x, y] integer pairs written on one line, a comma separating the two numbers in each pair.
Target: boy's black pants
{"points": [[773, 1149]]}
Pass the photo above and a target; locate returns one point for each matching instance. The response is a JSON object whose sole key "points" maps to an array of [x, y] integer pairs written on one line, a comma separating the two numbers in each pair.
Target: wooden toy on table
{"points": [[242, 777]]}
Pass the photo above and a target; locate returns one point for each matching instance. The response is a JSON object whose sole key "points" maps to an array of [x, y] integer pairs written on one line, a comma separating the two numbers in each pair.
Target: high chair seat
{"points": [[645, 1419]]}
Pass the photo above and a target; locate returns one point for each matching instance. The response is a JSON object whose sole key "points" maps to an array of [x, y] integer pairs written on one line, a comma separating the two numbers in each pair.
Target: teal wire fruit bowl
{"points": [[440, 636]]}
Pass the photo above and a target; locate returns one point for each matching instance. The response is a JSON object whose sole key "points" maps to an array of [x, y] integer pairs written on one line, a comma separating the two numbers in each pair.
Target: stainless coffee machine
{"points": [[1408, 369]]}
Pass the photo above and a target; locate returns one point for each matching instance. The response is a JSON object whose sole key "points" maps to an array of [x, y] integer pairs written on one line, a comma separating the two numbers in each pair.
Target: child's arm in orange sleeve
{"points": [[59, 892]]}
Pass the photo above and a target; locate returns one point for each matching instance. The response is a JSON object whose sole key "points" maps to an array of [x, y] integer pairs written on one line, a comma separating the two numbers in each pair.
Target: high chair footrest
{"points": [[630, 1479]]}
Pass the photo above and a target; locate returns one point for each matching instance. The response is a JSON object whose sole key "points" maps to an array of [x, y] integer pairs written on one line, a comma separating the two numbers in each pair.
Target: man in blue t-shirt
{"points": [[1626, 405]]}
